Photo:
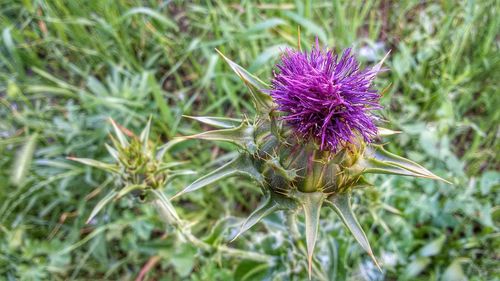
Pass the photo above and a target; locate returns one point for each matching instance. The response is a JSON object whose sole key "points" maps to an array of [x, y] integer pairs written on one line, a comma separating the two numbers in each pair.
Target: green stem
{"points": [[185, 231]]}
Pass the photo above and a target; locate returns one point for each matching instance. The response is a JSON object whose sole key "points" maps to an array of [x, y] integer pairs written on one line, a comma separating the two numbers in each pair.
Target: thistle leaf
{"points": [[167, 205], [165, 166], [377, 68], [243, 136], [218, 122], [241, 165], [96, 164], [341, 204], [144, 136], [119, 134], [113, 152], [101, 204], [166, 147], [311, 205], [173, 175], [384, 132], [377, 160], [127, 189], [272, 203], [254, 84], [268, 207]]}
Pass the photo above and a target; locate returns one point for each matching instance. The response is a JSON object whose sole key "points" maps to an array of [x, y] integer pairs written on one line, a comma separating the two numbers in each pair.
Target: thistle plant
{"points": [[140, 169], [311, 142]]}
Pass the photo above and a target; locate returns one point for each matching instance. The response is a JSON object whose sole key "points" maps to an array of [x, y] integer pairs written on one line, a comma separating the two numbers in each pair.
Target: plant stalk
{"points": [[185, 231]]}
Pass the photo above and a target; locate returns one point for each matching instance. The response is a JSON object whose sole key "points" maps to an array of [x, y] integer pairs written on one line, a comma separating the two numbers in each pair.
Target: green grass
{"points": [[66, 66]]}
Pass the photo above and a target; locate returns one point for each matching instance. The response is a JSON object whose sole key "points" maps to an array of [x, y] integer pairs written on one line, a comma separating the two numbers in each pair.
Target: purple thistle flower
{"points": [[326, 98]]}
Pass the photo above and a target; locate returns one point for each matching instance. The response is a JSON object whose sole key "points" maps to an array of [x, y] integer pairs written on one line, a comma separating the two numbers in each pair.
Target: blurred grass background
{"points": [[66, 66]]}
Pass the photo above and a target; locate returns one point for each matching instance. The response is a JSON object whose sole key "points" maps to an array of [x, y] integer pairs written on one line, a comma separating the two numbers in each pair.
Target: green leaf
{"points": [[268, 207], [178, 173], [433, 248], [243, 136], [127, 189], [341, 204], [144, 136], [454, 272], [241, 165], [218, 230], [218, 122], [119, 134], [113, 152], [183, 259], [23, 161], [417, 266], [254, 84], [166, 147], [376, 68], [168, 165], [96, 164], [101, 204], [377, 160], [384, 132], [166, 204], [311, 205]]}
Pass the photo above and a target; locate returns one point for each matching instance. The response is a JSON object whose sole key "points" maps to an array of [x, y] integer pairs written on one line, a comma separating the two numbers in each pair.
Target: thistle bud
{"points": [[312, 140], [138, 166]]}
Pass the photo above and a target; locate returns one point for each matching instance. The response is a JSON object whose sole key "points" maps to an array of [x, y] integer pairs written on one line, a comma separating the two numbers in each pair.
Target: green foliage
{"points": [[67, 66]]}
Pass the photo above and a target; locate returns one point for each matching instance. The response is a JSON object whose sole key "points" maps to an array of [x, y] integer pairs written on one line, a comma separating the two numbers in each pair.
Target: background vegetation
{"points": [[66, 66]]}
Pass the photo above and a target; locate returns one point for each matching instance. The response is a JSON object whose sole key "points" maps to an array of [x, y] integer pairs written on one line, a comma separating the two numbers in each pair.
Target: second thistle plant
{"points": [[138, 167], [311, 142]]}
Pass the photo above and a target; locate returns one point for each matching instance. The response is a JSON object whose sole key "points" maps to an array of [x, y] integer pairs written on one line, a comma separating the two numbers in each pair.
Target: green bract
{"points": [[296, 175]]}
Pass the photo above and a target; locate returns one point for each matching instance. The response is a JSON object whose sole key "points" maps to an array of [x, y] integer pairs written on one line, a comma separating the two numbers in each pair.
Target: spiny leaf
{"points": [[341, 204], [119, 134], [97, 164], [377, 68], [178, 173], [166, 147], [241, 165], [268, 207], [377, 160], [218, 122], [23, 161], [254, 84], [167, 205], [167, 165], [218, 230], [144, 136], [272, 203], [113, 152], [243, 136], [311, 205], [127, 189], [101, 204], [384, 132]]}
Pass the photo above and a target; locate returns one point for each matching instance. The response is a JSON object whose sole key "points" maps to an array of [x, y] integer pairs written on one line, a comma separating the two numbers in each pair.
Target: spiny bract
{"points": [[295, 170]]}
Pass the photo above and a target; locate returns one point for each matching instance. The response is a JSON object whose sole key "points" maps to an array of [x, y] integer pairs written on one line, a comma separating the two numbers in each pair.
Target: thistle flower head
{"points": [[326, 98]]}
